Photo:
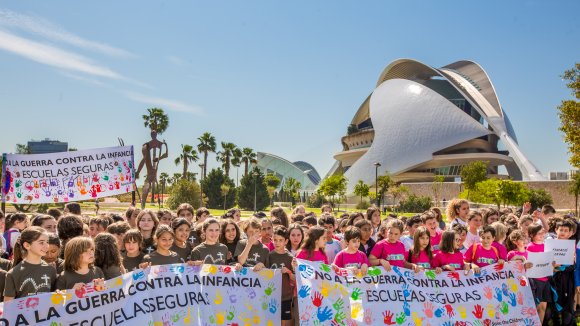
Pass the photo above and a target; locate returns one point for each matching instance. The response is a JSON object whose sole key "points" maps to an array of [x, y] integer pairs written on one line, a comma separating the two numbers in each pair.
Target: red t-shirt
{"points": [[422, 259], [481, 257], [317, 255], [452, 259], [394, 253], [343, 259]]}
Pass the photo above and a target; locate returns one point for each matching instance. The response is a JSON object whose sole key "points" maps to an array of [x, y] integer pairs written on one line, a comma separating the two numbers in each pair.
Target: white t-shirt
{"points": [[407, 241], [470, 239], [331, 249]]}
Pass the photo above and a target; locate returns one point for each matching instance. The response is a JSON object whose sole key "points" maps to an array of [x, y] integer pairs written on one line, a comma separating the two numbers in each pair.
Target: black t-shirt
{"points": [[132, 263], [67, 279], [27, 279], [210, 254], [156, 258], [258, 253], [277, 261]]}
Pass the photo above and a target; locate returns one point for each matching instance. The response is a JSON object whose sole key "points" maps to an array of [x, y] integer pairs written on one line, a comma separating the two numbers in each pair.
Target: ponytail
{"points": [[28, 235], [18, 252]]}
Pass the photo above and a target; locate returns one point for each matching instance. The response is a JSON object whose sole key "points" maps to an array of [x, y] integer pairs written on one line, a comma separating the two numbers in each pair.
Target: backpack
{"points": [[8, 238]]}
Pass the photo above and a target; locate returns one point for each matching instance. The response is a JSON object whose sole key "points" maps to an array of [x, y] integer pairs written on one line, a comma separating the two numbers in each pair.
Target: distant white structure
{"points": [[301, 171], [563, 175], [422, 121]]}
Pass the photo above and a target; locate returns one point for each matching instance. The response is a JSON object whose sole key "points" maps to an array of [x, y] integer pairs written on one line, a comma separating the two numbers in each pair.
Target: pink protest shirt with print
{"points": [[501, 250], [317, 255], [482, 257], [345, 260], [421, 260], [514, 253], [536, 247], [435, 240], [394, 253], [454, 260]]}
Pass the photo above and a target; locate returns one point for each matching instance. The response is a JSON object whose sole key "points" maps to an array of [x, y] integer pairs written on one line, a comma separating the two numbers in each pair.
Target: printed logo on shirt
{"points": [[37, 287], [424, 265], [489, 261], [352, 265], [254, 258], [395, 257], [435, 247], [276, 266], [456, 266], [219, 260]]}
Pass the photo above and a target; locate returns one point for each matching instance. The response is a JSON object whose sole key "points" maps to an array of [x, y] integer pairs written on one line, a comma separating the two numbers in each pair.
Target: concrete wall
{"points": [[558, 190]]}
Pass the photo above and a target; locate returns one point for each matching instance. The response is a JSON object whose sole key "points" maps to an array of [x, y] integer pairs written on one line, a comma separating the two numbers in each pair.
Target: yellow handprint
{"points": [[187, 319], [513, 285], [490, 310], [249, 306], [270, 323], [213, 269], [340, 288], [418, 321], [356, 308], [256, 320], [268, 273], [218, 297], [325, 289], [462, 312], [59, 298], [158, 323], [220, 317]]}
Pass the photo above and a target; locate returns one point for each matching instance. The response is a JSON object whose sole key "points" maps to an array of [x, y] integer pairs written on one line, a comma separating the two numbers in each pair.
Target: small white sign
{"points": [[542, 264], [563, 250]]}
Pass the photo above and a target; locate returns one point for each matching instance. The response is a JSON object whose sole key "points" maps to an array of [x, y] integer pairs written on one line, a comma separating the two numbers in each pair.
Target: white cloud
{"points": [[168, 104], [177, 61], [50, 31]]}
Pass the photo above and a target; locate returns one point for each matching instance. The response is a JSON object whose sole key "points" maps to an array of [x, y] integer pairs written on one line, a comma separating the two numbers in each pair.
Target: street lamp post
{"points": [[377, 164], [201, 166]]}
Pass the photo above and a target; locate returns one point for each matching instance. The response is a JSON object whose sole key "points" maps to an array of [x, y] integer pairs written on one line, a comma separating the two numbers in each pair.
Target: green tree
{"points": [[472, 173], [225, 190], [333, 186], [175, 178], [292, 187], [398, 191], [575, 189], [385, 182], [226, 155], [156, 119], [22, 149], [205, 146], [361, 189], [248, 157], [272, 183], [498, 192], [163, 179], [184, 191], [188, 154], [246, 191], [539, 198], [437, 186], [569, 114], [512, 193], [212, 189]]}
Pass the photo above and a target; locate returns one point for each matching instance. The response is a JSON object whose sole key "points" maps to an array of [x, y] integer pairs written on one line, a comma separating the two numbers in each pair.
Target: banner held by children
{"points": [[168, 294], [499, 295], [67, 176], [564, 250]]}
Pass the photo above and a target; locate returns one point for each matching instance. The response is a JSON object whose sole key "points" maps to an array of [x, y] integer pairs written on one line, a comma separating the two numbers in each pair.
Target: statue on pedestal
{"points": [[152, 153]]}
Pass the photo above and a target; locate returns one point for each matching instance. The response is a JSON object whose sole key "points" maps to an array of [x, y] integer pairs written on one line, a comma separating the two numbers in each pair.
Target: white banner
{"points": [[563, 250], [161, 295], [499, 295], [67, 176], [542, 262]]}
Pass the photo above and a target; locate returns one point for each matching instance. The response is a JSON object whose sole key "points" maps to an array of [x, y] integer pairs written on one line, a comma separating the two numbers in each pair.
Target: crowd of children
{"points": [[66, 250]]}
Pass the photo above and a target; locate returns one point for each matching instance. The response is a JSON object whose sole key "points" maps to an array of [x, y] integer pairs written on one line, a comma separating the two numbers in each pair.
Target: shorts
{"points": [[541, 290], [286, 309]]}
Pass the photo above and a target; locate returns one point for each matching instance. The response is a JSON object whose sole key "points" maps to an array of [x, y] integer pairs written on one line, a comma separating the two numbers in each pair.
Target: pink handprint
{"points": [[487, 292], [368, 316], [428, 309], [520, 298]]}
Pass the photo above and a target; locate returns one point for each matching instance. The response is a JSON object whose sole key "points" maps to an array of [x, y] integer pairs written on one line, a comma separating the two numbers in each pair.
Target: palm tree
{"points": [[163, 178], [206, 145], [156, 120], [291, 186], [175, 178], [248, 157], [226, 155], [188, 154]]}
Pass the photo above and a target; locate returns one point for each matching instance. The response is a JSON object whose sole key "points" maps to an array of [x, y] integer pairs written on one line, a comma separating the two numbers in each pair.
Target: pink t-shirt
{"points": [[269, 245], [501, 250], [344, 260], [514, 253], [482, 257], [394, 253], [435, 240], [536, 247], [452, 259], [316, 256], [421, 260]]}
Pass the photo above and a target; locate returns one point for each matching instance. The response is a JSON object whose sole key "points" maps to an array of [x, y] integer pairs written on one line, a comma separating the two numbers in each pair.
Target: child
{"points": [[118, 230], [374, 216], [461, 231], [524, 222], [251, 251], [30, 275], [457, 211], [79, 269], [107, 256], [280, 258], [68, 227], [185, 211], [564, 278], [211, 251], [309, 221], [449, 258], [181, 246], [230, 236], [483, 254], [351, 257], [474, 221], [165, 217], [147, 224], [500, 235], [201, 215], [46, 222], [97, 225], [390, 251], [420, 255], [15, 223], [333, 246], [313, 247], [430, 222], [411, 225], [366, 241], [266, 234], [540, 287], [518, 239], [163, 255], [132, 255], [296, 238], [52, 255]]}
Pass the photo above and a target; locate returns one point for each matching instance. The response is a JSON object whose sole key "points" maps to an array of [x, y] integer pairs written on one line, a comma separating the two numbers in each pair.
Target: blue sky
{"points": [[283, 77]]}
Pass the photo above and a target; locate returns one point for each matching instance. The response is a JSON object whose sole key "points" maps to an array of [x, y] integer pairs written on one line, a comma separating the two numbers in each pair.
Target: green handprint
{"points": [[270, 289], [356, 294], [339, 317], [401, 318], [18, 183], [504, 308], [264, 305], [175, 318], [338, 305], [373, 271], [477, 323], [106, 177], [430, 274], [231, 314], [55, 324], [325, 268], [212, 319]]}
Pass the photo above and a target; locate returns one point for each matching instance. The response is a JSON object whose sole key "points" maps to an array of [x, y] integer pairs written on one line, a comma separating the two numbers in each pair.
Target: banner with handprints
{"points": [[499, 295], [67, 176], [164, 295]]}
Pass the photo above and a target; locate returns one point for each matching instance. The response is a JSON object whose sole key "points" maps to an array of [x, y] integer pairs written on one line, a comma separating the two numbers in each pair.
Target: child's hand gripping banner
{"points": [[499, 295], [67, 176], [158, 296]]}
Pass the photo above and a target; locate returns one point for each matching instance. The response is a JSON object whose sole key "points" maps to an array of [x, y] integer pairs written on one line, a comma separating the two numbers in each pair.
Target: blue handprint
{"points": [[324, 315], [397, 271], [529, 322], [304, 291], [273, 306], [447, 323], [406, 292], [504, 289], [482, 272], [243, 271], [410, 276], [407, 309], [498, 295], [439, 312], [512, 300], [305, 270]]}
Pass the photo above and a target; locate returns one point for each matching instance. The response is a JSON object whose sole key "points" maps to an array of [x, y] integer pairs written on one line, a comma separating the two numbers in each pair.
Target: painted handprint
{"points": [[418, 321], [498, 267], [439, 312], [512, 299], [450, 311], [401, 317], [406, 292], [270, 289], [355, 309], [368, 316], [355, 295], [273, 306], [504, 308], [317, 299], [251, 293], [407, 309], [338, 305], [323, 314], [231, 314], [523, 280], [504, 289], [304, 291], [306, 314], [388, 318], [325, 268], [498, 295], [487, 293], [305, 271], [339, 317], [374, 271], [520, 298], [453, 275], [490, 310], [430, 274], [428, 309], [477, 311], [512, 285], [462, 312], [529, 311]]}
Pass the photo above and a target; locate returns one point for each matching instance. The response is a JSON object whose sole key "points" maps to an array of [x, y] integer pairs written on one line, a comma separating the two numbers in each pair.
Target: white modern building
{"points": [[301, 171], [422, 121]]}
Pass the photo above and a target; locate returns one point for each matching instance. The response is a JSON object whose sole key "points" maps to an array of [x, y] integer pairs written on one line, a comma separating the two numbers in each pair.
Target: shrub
{"points": [[363, 205], [184, 191], [415, 204]]}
